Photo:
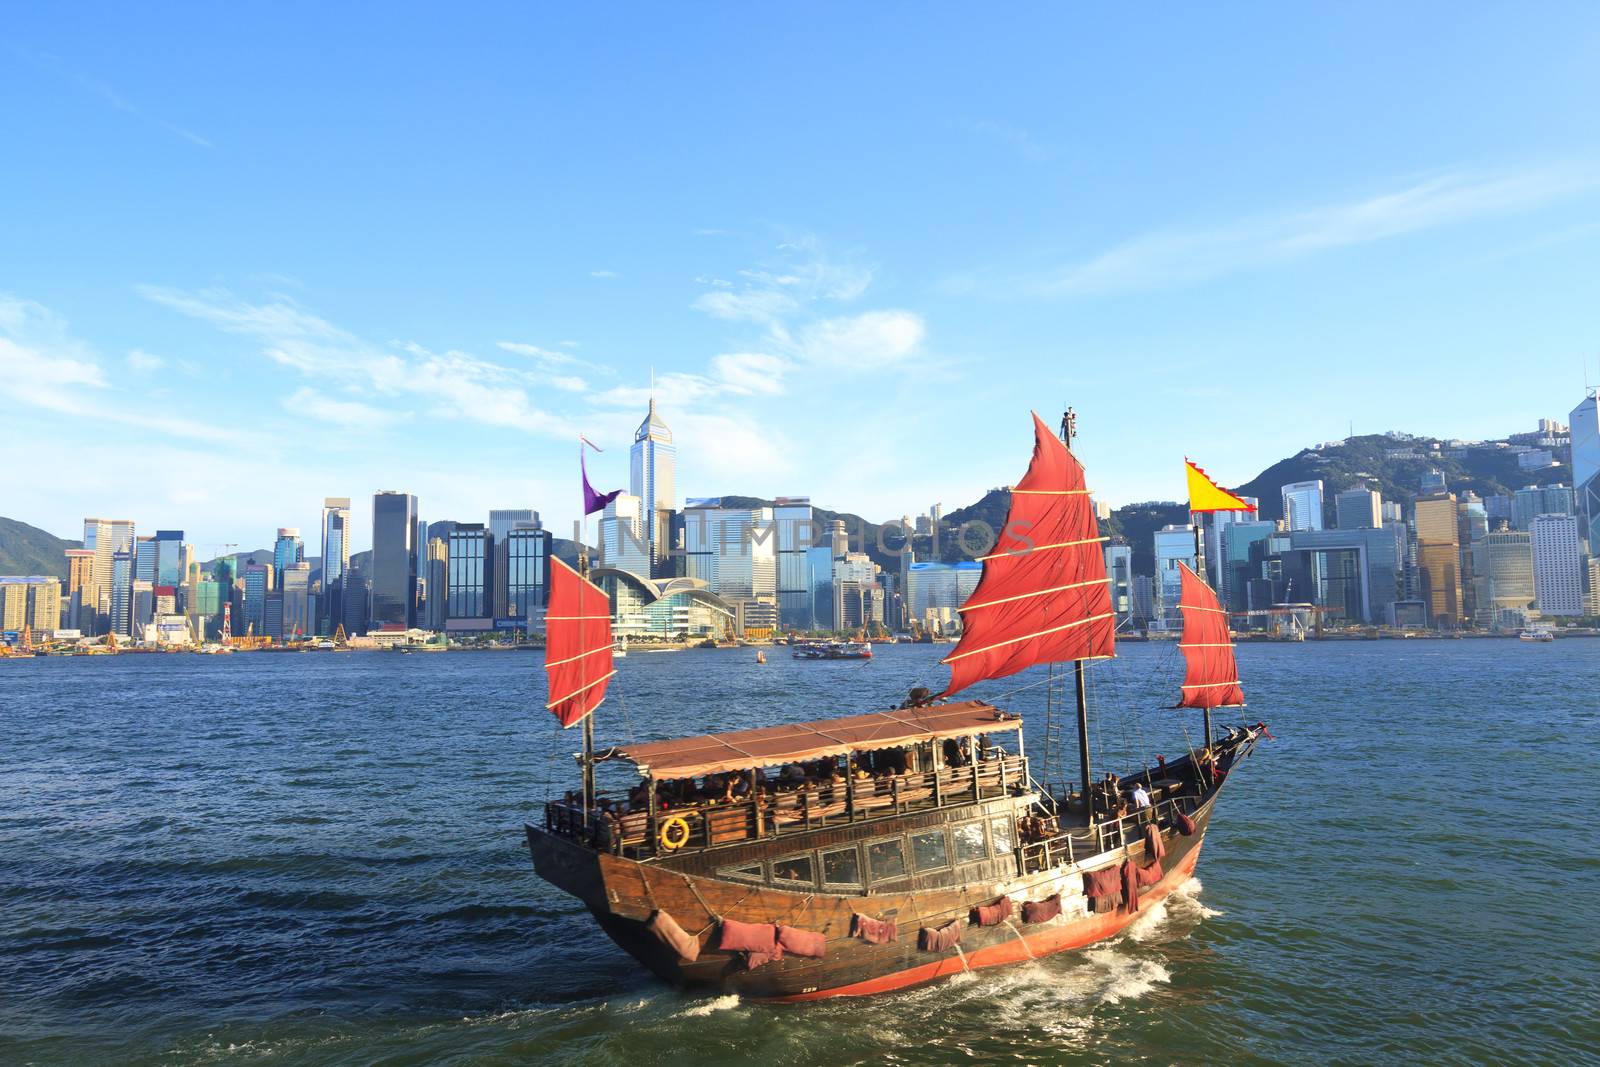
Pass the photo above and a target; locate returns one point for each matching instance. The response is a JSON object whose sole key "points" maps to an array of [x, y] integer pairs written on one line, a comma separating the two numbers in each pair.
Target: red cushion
{"points": [[802, 942], [748, 937]]}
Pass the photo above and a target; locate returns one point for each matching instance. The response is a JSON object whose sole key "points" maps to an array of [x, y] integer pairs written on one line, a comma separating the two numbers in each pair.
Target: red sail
{"points": [[1212, 680], [1043, 597], [577, 651]]}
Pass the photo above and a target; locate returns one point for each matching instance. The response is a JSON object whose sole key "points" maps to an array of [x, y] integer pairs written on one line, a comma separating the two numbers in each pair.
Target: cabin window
{"points": [[752, 873], [928, 851], [794, 869], [970, 844], [841, 867], [1004, 840], [886, 859]]}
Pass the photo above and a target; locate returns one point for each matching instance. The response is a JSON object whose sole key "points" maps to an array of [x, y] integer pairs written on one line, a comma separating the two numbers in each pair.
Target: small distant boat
{"points": [[761, 656], [1537, 633], [833, 650], [619, 648]]}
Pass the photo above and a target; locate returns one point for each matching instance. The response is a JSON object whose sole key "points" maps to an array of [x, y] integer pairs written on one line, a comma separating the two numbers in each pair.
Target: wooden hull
{"points": [[623, 894]]}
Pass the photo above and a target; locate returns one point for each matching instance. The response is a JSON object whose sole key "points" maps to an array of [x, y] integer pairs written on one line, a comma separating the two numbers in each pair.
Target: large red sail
{"points": [[1212, 678], [1043, 597], [577, 651]]}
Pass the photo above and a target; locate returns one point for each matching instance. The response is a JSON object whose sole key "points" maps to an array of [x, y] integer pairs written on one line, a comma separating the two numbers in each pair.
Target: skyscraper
{"points": [[296, 583], [1586, 468], [734, 550], [1215, 524], [335, 562], [622, 536], [169, 558], [1302, 505], [120, 602], [504, 520], [1502, 565], [654, 463], [257, 584], [1540, 500], [145, 551], [797, 534], [470, 580], [393, 577], [438, 584], [1358, 509], [526, 580], [1173, 545], [1439, 558], [288, 550], [1119, 574], [1557, 564], [80, 577], [104, 537]]}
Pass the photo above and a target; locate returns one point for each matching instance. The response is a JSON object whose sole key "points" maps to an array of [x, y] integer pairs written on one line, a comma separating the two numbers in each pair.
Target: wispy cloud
{"points": [[604, 275], [145, 362], [308, 403], [1185, 256], [450, 384], [43, 366], [116, 100]]}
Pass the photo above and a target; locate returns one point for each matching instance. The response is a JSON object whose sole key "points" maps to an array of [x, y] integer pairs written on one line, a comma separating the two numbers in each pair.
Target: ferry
{"points": [[1537, 633], [833, 650]]}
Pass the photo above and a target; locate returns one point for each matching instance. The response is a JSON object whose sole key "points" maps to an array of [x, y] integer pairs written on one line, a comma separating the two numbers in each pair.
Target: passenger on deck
{"points": [[1141, 798], [954, 756]]}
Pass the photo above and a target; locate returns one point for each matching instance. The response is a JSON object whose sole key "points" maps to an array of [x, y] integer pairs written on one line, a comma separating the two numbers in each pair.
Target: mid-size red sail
{"points": [[1043, 596], [1212, 678], [577, 651]]}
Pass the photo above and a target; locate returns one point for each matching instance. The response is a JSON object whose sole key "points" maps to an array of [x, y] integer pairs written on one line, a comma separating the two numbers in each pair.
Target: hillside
{"points": [[28, 550]]}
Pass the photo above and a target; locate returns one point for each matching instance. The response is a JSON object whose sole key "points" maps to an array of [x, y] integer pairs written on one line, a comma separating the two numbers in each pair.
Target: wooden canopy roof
{"points": [[770, 746]]}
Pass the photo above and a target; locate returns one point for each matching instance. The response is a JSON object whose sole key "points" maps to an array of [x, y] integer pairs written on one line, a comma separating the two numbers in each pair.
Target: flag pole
{"points": [[588, 720]]}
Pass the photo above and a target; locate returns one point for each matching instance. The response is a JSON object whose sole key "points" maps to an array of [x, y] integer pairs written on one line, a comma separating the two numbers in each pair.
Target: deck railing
{"points": [[786, 811], [1107, 835]]}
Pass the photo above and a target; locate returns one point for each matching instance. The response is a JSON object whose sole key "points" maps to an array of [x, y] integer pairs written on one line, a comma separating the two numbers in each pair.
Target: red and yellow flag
{"points": [[1207, 495]]}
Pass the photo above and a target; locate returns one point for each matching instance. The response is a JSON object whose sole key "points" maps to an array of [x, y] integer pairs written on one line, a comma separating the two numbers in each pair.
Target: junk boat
{"points": [[871, 852], [833, 650]]}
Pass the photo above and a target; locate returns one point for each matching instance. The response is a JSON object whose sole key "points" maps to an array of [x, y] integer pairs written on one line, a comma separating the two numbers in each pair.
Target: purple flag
{"points": [[593, 501]]}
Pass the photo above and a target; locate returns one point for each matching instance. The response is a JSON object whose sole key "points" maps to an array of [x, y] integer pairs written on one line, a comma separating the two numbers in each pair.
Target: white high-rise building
{"points": [[1302, 505], [1586, 468], [105, 538], [654, 463], [734, 550], [1557, 565], [1173, 545], [622, 540]]}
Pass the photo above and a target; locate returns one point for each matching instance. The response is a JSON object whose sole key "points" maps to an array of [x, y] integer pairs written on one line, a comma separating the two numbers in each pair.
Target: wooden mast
{"points": [[1069, 430], [1200, 569]]}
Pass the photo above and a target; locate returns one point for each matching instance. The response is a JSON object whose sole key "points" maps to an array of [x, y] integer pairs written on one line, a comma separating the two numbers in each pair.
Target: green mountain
{"points": [[28, 550]]}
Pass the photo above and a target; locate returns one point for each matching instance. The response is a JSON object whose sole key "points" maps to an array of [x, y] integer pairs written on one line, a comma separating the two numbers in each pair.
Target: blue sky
{"points": [[255, 255]]}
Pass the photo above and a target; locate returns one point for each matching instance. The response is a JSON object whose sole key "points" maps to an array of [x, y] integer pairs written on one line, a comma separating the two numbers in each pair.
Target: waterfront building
{"points": [[664, 608], [1586, 468], [393, 575], [1503, 572], [1241, 558], [143, 612], [653, 470], [438, 584], [1358, 509], [1119, 574], [1175, 545], [80, 577], [1439, 558], [1143, 597], [522, 569], [296, 584], [469, 581], [120, 604], [936, 586], [272, 616], [257, 584], [1215, 524], [105, 538], [205, 607], [1302, 506], [13, 603], [733, 550], [1591, 598], [623, 543], [1355, 574], [335, 562], [356, 605], [1557, 564], [145, 551], [288, 550], [803, 560], [169, 558], [1540, 500]]}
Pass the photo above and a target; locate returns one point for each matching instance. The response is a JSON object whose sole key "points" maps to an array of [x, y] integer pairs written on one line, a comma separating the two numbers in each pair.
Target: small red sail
{"points": [[577, 651], [1212, 678], [1043, 597]]}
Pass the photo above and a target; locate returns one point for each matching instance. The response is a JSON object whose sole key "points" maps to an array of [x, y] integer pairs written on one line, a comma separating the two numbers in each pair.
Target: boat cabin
{"points": [[747, 786]]}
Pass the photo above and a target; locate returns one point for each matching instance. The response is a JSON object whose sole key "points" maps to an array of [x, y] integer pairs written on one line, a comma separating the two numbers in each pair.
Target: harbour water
{"points": [[317, 859]]}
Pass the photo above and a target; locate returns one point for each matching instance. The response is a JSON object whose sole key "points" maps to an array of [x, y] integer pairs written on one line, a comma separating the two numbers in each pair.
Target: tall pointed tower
{"points": [[654, 482]]}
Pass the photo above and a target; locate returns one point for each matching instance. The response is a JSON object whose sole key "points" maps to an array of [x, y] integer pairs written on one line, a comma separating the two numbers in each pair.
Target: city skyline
{"points": [[1230, 259]]}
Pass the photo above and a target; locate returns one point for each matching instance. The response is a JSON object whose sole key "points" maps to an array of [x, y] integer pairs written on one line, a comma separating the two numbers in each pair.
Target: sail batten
{"points": [[578, 646], [1212, 676], [1043, 597]]}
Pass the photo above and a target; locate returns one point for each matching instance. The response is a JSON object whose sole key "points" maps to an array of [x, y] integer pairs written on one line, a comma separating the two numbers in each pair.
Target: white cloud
{"points": [[870, 340], [750, 372], [604, 275], [43, 366], [1183, 256], [144, 362], [453, 384], [544, 356], [311, 404]]}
